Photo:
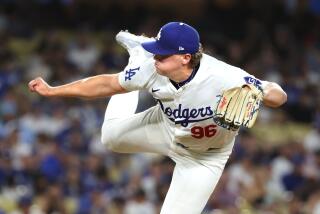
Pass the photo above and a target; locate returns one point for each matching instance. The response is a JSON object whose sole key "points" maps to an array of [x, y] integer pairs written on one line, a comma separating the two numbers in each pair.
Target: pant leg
{"points": [[122, 105], [127, 132], [193, 181], [142, 132]]}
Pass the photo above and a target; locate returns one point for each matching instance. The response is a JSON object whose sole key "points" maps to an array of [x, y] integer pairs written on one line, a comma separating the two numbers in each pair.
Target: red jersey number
{"points": [[200, 132]]}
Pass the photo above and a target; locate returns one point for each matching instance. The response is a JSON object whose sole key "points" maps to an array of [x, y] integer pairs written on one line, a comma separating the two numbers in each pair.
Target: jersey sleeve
{"points": [[137, 73], [239, 77]]}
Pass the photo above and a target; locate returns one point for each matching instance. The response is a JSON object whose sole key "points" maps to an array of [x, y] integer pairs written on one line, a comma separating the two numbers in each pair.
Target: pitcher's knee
{"points": [[108, 136]]}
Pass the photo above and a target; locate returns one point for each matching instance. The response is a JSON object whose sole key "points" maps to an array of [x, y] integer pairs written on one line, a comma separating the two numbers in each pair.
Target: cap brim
{"points": [[155, 48]]}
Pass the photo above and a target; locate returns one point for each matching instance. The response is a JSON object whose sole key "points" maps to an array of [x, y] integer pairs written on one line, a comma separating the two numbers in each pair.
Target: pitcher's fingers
{"points": [[32, 85]]}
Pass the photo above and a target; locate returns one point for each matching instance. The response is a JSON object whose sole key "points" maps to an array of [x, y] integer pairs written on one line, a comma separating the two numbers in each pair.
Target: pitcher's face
{"points": [[167, 65]]}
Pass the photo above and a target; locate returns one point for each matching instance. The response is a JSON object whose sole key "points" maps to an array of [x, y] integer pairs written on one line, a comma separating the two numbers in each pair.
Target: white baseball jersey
{"points": [[188, 111]]}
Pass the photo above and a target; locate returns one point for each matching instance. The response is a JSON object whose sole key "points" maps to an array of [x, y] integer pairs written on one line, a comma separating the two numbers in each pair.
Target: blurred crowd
{"points": [[51, 159]]}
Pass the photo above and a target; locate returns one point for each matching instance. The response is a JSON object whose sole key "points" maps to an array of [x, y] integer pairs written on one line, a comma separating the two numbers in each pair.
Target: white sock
{"points": [[122, 105]]}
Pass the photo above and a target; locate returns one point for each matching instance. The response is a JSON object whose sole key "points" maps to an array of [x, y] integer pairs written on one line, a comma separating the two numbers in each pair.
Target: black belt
{"points": [[186, 147]]}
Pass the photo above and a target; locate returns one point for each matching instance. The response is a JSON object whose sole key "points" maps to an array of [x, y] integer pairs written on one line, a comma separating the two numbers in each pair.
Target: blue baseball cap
{"points": [[174, 38]]}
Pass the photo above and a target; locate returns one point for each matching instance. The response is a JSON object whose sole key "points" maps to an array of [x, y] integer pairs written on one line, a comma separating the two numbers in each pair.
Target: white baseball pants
{"points": [[195, 174]]}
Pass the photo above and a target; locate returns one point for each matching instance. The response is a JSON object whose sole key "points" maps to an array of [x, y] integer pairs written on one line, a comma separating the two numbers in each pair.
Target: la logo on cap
{"points": [[159, 35]]}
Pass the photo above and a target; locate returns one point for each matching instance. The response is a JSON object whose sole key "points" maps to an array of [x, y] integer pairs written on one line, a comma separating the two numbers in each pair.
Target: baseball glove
{"points": [[238, 106]]}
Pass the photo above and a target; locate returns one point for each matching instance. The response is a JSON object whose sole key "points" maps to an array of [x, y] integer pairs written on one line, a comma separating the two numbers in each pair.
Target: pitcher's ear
{"points": [[186, 58]]}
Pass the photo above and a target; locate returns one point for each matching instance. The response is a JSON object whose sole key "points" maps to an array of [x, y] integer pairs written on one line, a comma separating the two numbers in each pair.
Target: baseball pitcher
{"points": [[202, 103]]}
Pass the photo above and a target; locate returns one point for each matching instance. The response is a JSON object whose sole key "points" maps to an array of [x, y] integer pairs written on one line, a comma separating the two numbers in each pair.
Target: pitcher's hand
{"points": [[40, 86]]}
